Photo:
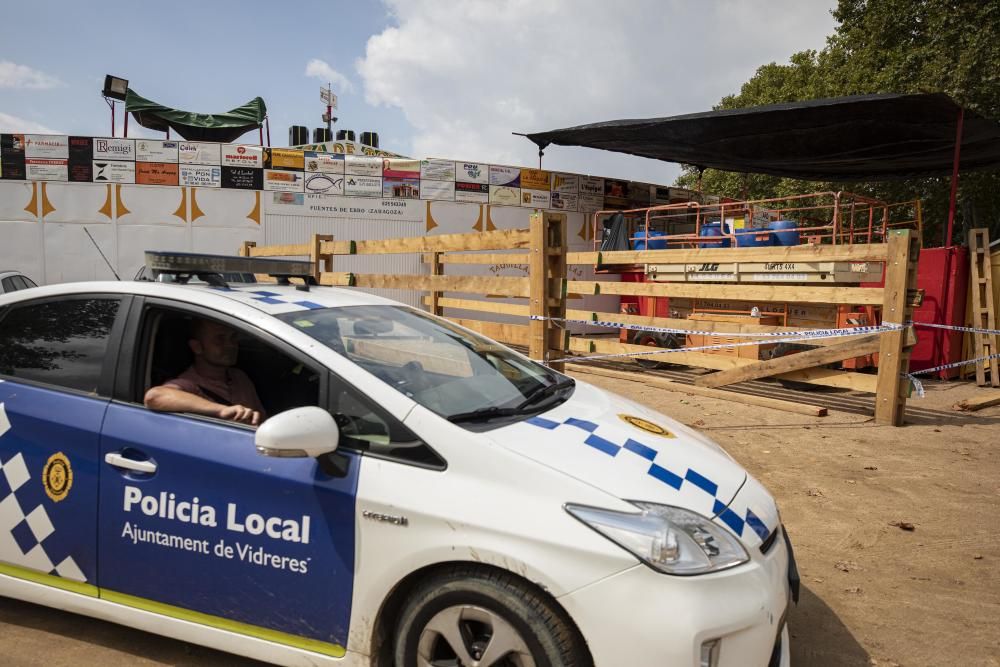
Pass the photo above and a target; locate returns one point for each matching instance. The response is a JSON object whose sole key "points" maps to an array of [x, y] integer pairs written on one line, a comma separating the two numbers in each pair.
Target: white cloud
{"points": [[320, 69], [468, 73], [14, 125], [13, 75]]}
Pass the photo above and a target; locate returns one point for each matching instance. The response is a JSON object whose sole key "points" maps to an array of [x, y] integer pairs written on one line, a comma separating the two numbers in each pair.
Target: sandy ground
{"points": [[873, 593]]}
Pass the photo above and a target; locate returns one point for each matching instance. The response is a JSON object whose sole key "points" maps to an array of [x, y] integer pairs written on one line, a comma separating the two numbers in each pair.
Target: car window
{"points": [[8, 284], [28, 282], [60, 343]]}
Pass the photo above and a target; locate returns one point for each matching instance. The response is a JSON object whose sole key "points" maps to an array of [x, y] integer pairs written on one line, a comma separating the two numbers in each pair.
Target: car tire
{"points": [[472, 616], [668, 341]]}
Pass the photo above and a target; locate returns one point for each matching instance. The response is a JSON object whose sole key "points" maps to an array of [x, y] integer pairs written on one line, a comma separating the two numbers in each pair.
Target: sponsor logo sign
{"points": [[153, 150], [591, 185], [564, 202], [41, 169], [565, 183], [438, 190], [472, 172], [289, 198], [399, 168], [590, 202], [45, 146], [365, 208], [535, 198], [325, 183], [661, 195], [12, 157], [475, 193], [156, 173], [509, 176], [240, 155], [81, 166], [437, 170], [535, 179], [284, 181], [114, 149], [112, 171], [402, 188], [364, 186], [199, 176], [197, 152], [358, 165], [242, 178], [326, 163], [505, 195], [284, 158], [638, 194], [615, 193]]}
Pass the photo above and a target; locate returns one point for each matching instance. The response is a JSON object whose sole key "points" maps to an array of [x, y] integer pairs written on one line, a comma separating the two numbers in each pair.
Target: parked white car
{"points": [[12, 281]]}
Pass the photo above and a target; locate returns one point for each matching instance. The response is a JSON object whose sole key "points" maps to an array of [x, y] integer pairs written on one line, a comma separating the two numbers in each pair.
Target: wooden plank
{"points": [[501, 239], [987, 400], [668, 385], [474, 284], [336, 279], [845, 349], [482, 258], [860, 296], [435, 297], [481, 306], [547, 278], [512, 334], [893, 359], [285, 250], [983, 316], [802, 253]]}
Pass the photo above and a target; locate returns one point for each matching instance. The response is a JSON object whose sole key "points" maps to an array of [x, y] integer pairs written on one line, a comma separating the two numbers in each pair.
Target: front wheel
{"points": [[479, 618]]}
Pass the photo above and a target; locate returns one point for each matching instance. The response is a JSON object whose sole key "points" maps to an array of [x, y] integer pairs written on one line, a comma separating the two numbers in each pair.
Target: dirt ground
{"points": [[873, 593]]}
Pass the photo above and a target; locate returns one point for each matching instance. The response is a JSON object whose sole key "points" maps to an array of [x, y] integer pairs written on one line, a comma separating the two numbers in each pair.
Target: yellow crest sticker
{"points": [[57, 477], [647, 426]]}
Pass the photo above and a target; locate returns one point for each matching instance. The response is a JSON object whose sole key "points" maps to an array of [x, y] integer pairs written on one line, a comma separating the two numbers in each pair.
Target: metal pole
{"points": [[267, 124], [112, 119], [954, 179], [126, 125]]}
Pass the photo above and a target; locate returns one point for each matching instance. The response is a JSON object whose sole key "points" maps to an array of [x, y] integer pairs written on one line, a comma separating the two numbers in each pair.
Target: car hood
{"points": [[627, 450]]}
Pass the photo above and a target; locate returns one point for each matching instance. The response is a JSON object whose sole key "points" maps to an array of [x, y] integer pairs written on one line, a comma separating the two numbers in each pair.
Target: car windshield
{"points": [[461, 376]]}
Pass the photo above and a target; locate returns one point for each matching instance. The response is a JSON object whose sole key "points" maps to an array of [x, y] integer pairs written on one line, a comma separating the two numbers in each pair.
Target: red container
{"points": [[943, 274]]}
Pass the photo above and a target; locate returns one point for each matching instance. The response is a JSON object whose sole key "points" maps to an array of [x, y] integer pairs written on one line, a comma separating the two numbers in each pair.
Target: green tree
{"points": [[888, 46]]}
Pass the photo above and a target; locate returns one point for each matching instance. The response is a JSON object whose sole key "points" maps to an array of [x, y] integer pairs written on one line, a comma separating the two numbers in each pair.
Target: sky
{"points": [[435, 78]]}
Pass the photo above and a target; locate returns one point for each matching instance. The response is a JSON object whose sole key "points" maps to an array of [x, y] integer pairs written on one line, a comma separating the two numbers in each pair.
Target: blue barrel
{"points": [[790, 237], [713, 230], [747, 238], [655, 242]]}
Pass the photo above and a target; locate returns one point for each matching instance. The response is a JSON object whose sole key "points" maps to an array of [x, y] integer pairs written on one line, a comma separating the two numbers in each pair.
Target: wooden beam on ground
{"points": [[894, 357], [859, 252], [512, 334], [987, 400], [473, 284], [859, 296], [857, 346], [669, 385]]}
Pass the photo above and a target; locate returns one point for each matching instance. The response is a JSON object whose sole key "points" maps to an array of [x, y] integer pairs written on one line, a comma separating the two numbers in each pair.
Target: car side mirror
{"points": [[302, 432]]}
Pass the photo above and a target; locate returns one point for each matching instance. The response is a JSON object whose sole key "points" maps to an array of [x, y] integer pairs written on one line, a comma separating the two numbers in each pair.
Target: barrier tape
{"points": [[918, 386], [951, 327]]}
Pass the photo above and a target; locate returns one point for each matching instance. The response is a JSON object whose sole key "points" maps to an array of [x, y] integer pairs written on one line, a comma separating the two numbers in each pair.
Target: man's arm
{"points": [[171, 399]]}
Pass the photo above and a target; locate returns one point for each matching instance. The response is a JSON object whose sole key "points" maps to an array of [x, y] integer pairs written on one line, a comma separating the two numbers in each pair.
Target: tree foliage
{"points": [[887, 46]]}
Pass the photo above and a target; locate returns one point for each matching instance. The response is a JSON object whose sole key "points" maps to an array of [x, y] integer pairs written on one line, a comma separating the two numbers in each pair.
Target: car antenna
{"points": [[117, 277]]}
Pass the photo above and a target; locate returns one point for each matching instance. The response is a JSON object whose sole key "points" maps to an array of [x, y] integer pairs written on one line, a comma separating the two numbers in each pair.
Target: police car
{"points": [[418, 494]]}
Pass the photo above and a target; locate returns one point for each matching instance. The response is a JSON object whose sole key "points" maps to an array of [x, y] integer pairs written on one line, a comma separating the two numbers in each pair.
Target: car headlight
{"points": [[668, 539]]}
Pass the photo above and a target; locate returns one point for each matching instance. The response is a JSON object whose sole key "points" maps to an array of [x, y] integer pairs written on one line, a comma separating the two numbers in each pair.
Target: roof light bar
{"points": [[194, 263]]}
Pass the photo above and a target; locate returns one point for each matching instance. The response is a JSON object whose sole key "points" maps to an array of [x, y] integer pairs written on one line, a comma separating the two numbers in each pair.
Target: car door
{"points": [[56, 370], [196, 524]]}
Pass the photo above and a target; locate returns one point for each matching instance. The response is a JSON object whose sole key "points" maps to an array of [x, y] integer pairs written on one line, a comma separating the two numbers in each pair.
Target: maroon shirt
{"points": [[235, 389]]}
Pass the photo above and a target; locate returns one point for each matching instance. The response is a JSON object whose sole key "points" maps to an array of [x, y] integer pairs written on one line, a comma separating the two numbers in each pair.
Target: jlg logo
{"points": [[709, 267]]}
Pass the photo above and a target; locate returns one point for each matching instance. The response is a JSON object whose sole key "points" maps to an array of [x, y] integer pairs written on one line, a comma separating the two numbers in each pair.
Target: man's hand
{"points": [[239, 413]]}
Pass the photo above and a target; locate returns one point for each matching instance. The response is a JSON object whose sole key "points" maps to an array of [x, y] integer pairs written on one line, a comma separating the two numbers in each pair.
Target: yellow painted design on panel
{"points": [[106, 209], [255, 213], [181, 211], [431, 222], [195, 211], [479, 221], [490, 227], [585, 229], [32, 206], [122, 210], [47, 206]]}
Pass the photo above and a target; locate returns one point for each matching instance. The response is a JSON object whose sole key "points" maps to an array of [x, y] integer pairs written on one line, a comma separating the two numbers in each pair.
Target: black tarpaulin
{"points": [[861, 138], [221, 127]]}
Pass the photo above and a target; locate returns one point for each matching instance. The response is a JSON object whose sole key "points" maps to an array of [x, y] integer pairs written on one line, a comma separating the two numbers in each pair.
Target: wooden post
{"points": [[983, 317], [435, 296], [894, 356], [245, 248], [322, 262], [547, 288]]}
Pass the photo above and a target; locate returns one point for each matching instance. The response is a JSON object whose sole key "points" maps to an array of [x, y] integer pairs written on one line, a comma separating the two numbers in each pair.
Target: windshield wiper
{"points": [[544, 392], [493, 412]]}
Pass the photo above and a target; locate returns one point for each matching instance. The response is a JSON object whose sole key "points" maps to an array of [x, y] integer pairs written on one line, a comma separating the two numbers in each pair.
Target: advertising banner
{"points": [[363, 186], [284, 158], [615, 193], [325, 163], [40, 169], [472, 172], [401, 188], [154, 150], [81, 166], [114, 149], [591, 185], [564, 202], [359, 165], [590, 202], [12, 157], [509, 176], [157, 173], [197, 152], [400, 168], [240, 155], [348, 208], [46, 146], [638, 194], [567, 184], [474, 193], [437, 190], [505, 195], [242, 178], [535, 179], [536, 198], [113, 171], [325, 183], [437, 170], [661, 194], [284, 181], [200, 176]]}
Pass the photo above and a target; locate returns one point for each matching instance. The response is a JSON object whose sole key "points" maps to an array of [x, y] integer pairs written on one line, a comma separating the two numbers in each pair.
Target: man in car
{"points": [[212, 385]]}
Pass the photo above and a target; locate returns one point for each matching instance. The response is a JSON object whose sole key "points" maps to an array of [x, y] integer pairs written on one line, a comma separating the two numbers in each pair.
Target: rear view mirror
{"points": [[302, 432]]}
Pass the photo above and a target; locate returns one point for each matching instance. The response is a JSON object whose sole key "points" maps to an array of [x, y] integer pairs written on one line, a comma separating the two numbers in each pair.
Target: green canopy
{"points": [[222, 127]]}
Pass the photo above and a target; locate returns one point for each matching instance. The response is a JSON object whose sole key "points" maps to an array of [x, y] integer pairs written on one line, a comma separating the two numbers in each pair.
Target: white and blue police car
{"points": [[418, 494]]}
